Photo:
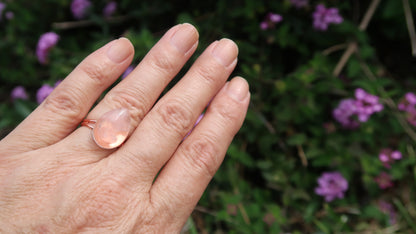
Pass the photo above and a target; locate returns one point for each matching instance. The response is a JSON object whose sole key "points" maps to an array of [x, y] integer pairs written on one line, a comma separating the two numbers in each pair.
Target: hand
{"points": [[54, 177]]}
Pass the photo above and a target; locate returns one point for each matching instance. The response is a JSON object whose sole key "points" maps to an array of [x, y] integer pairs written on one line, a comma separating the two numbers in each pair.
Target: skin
{"points": [[55, 179]]}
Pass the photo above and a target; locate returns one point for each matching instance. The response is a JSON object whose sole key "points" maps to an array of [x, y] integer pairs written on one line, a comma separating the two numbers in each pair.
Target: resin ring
{"points": [[111, 130]]}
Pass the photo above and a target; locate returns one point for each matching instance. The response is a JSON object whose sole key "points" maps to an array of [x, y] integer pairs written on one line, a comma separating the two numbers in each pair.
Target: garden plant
{"points": [[328, 144]]}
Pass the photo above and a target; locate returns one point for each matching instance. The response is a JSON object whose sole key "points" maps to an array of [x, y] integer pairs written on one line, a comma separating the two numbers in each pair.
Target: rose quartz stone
{"points": [[112, 129]]}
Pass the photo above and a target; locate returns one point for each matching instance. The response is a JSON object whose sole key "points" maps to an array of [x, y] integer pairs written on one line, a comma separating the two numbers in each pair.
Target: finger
{"points": [[184, 178], [175, 114], [67, 105], [145, 83]]}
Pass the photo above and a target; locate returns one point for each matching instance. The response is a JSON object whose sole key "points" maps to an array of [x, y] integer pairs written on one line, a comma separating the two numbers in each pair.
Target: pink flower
{"points": [[367, 104], [323, 16], [19, 92], [331, 185], [43, 92], [270, 20], [352, 111], [388, 208], [46, 42], [109, 9], [408, 102], [345, 112], [388, 156], [384, 180], [79, 8], [299, 3]]}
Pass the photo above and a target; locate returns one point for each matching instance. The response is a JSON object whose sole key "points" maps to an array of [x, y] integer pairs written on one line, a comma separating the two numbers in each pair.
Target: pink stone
{"points": [[112, 129]]}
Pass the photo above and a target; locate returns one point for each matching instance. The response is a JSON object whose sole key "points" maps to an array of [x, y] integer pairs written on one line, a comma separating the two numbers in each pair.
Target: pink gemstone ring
{"points": [[111, 129]]}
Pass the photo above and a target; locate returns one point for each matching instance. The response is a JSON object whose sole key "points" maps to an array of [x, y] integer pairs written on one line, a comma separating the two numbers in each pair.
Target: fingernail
{"points": [[119, 50], [237, 89], [225, 52], [185, 38]]}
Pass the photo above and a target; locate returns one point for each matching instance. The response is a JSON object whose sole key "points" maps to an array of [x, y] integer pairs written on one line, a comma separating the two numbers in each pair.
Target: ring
{"points": [[111, 129]]}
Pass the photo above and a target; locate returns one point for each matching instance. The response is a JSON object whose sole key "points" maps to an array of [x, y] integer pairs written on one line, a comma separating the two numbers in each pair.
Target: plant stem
{"points": [[410, 25], [352, 46], [405, 214]]}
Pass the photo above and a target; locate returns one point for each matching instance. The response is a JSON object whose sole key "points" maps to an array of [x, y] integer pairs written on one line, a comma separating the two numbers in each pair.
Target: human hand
{"points": [[54, 177]]}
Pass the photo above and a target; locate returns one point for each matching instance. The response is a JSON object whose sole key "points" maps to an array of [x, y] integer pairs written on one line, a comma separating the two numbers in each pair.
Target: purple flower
{"points": [[366, 104], [384, 180], [388, 156], [128, 70], [411, 117], [196, 123], [408, 102], [264, 25], [45, 43], [57, 83], [9, 15], [2, 7], [299, 3], [43, 92], [323, 16], [109, 9], [331, 185], [360, 108], [387, 208], [344, 113], [270, 20], [79, 8], [19, 92]]}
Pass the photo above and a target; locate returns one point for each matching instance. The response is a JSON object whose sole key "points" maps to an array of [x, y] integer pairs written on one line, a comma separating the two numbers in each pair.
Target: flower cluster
{"points": [[299, 3], [323, 16], [407, 104], [384, 180], [366, 104], [350, 112], [80, 8], [19, 92], [109, 9], [388, 208], [270, 21], [331, 185], [44, 91], [8, 14], [388, 156], [46, 42]]}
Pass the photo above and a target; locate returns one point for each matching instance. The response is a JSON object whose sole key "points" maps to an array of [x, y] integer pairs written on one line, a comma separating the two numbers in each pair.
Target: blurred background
{"points": [[328, 145]]}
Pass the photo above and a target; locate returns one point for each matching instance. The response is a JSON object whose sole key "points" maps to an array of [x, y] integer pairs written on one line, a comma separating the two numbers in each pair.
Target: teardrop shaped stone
{"points": [[112, 129]]}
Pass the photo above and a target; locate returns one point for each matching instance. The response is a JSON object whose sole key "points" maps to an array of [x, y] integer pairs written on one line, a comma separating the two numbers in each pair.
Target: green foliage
{"points": [[267, 181]]}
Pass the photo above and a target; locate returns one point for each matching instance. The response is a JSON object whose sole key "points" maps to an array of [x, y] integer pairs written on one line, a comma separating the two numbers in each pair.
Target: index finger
{"points": [[68, 104]]}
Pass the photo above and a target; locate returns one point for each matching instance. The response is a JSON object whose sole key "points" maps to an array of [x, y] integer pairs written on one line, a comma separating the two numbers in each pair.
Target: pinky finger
{"points": [[184, 178]]}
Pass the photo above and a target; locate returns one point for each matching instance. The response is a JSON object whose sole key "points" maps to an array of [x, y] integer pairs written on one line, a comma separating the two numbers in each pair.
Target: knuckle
{"points": [[97, 71], [227, 112], [202, 155], [67, 101], [209, 73], [130, 99], [161, 62], [175, 116]]}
